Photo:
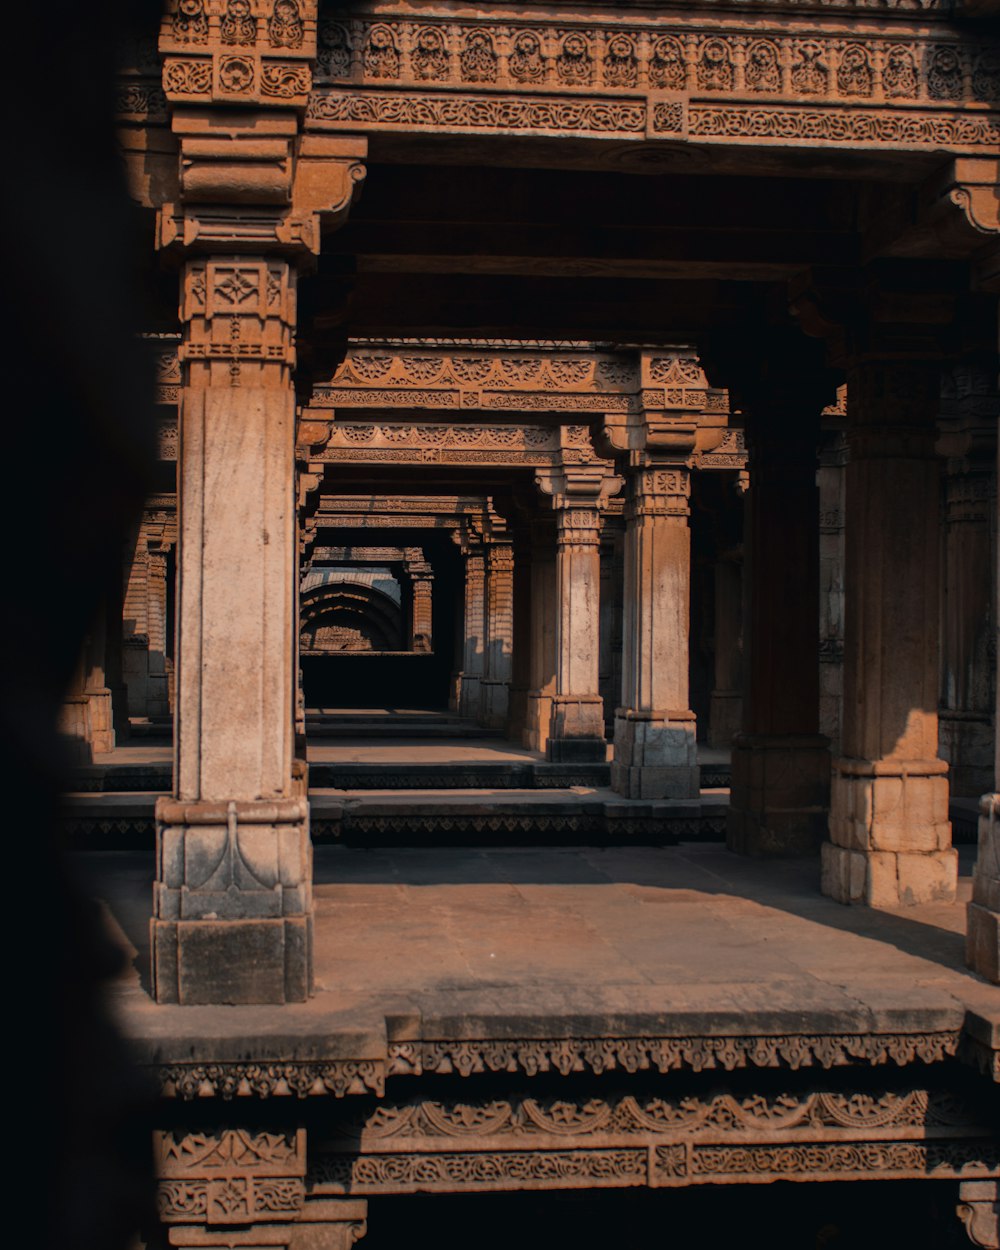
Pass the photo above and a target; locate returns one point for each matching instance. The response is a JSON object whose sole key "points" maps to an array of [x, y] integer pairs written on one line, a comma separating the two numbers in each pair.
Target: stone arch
{"points": [[349, 615]]}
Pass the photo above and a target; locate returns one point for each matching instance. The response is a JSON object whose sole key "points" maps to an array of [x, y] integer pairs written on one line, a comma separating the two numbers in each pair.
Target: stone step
{"points": [[397, 775], [398, 729], [477, 774], [576, 816]]}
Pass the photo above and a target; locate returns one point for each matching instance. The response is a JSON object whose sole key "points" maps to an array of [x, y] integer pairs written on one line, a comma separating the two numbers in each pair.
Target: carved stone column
{"points": [[421, 602], [576, 732], [157, 693], [520, 670], [499, 631], [726, 709], [781, 763], [890, 838], [612, 610], [233, 893], [542, 664], [967, 440], [470, 679], [655, 750]]}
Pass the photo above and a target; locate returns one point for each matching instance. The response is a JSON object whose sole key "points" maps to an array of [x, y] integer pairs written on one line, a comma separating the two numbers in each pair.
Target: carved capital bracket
{"points": [[979, 1211], [971, 185], [575, 486]]}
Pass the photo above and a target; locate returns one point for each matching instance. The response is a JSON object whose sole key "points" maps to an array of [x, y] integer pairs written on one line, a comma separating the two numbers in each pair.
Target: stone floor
{"points": [[544, 942]]}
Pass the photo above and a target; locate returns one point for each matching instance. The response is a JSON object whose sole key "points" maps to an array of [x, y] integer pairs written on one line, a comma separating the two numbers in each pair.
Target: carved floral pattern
{"points": [[715, 66], [430, 57], [334, 50], [854, 73], [899, 77], [238, 26], [763, 66], [381, 56], [478, 59], [526, 63], [284, 27], [944, 77], [190, 24], [574, 64], [667, 67]]}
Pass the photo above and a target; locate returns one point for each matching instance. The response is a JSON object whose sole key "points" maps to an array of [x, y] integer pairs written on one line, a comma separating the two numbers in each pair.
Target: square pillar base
{"points": [[470, 696], [232, 962], [780, 794], [982, 942], [656, 756], [576, 733], [232, 902], [496, 699], [888, 878], [890, 837], [538, 716]]}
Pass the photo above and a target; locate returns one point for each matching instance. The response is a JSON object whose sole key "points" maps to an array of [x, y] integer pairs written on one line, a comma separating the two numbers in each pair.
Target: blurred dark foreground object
{"points": [[78, 450]]}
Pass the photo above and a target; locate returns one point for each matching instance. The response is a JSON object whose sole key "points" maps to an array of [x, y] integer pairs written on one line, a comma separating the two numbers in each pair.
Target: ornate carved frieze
{"points": [[818, 80], [665, 1054], [235, 1177], [668, 1140], [238, 51]]}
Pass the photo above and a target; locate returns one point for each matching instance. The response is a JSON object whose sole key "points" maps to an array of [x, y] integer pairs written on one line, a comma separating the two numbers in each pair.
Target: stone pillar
{"points": [[982, 950], [470, 679], [157, 694], [421, 602], [520, 669], [233, 905], [655, 750], [612, 610], [967, 440], [781, 763], [96, 688], [890, 838], [726, 709], [499, 630], [576, 732], [542, 660], [830, 480]]}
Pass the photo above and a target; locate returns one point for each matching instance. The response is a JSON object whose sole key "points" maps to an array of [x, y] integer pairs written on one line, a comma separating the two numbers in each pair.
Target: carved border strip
{"points": [[721, 57], [665, 1054], [336, 108], [661, 1166]]}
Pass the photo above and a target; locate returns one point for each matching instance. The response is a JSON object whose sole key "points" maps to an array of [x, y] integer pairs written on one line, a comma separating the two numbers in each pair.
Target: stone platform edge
{"points": [[220, 1074]]}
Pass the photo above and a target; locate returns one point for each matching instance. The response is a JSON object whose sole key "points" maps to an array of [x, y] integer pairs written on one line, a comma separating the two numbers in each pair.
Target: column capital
{"points": [[657, 488]]}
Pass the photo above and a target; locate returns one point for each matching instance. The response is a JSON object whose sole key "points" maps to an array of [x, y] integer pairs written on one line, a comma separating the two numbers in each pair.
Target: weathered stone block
{"points": [[982, 942], [235, 962]]}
